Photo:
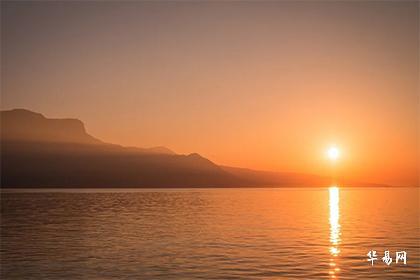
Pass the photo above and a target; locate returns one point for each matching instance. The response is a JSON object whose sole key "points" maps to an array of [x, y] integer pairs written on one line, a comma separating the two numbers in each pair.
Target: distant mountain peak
{"points": [[195, 155], [23, 111], [26, 125], [161, 150]]}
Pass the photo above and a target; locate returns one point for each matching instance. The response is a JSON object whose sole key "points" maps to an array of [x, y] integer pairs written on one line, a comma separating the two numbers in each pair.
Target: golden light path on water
{"points": [[335, 232]]}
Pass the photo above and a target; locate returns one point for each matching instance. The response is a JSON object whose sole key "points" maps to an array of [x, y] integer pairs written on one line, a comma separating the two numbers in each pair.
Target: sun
{"points": [[333, 153]]}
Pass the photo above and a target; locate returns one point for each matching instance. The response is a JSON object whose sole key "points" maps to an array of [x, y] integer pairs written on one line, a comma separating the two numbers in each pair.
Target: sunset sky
{"points": [[260, 85]]}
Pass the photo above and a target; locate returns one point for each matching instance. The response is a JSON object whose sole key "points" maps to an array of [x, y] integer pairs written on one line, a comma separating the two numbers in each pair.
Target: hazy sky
{"points": [[265, 85]]}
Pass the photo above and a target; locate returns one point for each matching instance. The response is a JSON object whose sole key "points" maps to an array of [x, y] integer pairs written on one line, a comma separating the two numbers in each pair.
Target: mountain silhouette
{"points": [[41, 152], [24, 125]]}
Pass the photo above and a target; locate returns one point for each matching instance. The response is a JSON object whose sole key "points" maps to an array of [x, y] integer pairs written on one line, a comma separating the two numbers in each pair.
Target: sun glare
{"points": [[335, 230], [333, 153]]}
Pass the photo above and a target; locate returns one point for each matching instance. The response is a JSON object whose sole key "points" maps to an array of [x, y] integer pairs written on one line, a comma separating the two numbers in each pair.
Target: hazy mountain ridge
{"points": [[289, 179], [27, 126], [40, 152], [270, 178]]}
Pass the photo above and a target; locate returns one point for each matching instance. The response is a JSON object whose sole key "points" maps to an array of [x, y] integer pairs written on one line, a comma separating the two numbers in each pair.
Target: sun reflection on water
{"points": [[334, 230]]}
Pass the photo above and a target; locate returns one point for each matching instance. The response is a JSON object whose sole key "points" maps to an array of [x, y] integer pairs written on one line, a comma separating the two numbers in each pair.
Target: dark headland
{"points": [[39, 152]]}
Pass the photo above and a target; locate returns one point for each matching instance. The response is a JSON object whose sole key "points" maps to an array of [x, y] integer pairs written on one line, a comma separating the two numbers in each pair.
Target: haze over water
{"points": [[289, 233]]}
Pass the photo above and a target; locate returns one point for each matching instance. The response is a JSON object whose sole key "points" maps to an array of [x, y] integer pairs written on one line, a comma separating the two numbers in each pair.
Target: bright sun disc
{"points": [[333, 153]]}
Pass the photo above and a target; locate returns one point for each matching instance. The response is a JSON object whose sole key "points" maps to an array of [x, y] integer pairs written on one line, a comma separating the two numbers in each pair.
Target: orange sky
{"points": [[259, 85]]}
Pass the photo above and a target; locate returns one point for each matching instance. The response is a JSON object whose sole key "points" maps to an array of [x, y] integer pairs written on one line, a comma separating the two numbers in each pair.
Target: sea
{"points": [[230, 233]]}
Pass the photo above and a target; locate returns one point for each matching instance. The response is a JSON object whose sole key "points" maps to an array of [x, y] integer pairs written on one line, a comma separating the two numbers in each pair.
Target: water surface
{"points": [[289, 233]]}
